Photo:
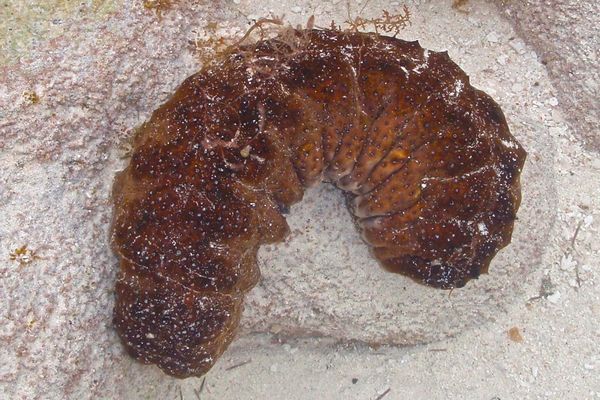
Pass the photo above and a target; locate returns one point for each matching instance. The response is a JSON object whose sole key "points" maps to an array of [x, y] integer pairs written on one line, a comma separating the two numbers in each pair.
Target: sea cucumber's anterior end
{"points": [[181, 330]]}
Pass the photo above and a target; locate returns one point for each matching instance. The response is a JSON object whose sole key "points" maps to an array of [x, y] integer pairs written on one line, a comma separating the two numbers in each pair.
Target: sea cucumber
{"points": [[427, 162]]}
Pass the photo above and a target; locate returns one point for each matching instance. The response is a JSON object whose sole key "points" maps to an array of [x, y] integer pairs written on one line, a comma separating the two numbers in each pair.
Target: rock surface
{"points": [[564, 34]]}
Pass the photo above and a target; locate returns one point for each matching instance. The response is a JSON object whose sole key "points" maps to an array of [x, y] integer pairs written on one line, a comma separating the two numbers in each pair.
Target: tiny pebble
{"points": [[518, 46], [554, 298], [492, 37], [515, 335], [296, 9], [502, 59], [573, 283], [236, 1], [553, 101], [567, 263]]}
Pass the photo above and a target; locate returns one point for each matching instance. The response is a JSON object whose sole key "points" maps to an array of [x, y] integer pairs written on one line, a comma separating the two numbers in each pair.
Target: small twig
{"points": [[180, 394], [577, 278], [197, 392], [438, 349], [382, 395], [363, 7], [575, 234], [237, 365], [534, 298]]}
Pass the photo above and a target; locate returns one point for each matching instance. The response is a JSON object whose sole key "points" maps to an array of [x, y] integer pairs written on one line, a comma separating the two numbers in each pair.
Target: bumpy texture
{"points": [[428, 164]]}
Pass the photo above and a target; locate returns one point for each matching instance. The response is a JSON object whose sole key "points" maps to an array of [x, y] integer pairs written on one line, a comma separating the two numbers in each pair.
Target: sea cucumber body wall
{"points": [[428, 164]]}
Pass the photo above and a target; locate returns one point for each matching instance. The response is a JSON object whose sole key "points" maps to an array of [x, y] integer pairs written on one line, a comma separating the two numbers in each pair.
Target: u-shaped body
{"points": [[427, 161]]}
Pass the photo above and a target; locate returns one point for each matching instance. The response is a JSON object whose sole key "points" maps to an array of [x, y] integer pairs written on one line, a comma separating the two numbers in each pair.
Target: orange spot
{"points": [[399, 154], [307, 147]]}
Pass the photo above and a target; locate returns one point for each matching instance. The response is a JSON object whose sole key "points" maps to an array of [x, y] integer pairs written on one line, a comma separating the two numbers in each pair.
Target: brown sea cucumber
{"points": [[427, 162]]}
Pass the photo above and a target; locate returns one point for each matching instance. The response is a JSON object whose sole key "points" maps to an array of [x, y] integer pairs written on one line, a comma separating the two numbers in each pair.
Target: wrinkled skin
{"points": [[428, 164]]}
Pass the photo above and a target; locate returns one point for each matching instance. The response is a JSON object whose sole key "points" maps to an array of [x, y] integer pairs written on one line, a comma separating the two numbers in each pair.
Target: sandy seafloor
{"points": [[325, 322]]}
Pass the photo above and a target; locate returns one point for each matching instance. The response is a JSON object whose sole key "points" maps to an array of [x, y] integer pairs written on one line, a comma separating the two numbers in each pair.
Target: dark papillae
{"points": [[428, 165]]}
